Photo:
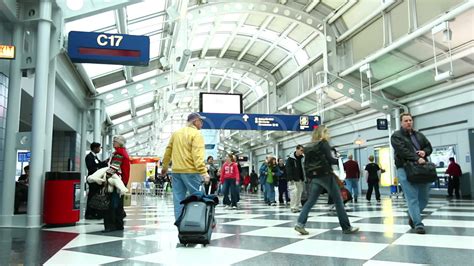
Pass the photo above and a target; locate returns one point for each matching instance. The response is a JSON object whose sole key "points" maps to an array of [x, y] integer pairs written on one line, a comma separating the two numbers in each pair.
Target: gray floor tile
{"points": [[273, 258], [362, 236], [253, 242], [127, 248], [426, 255]]}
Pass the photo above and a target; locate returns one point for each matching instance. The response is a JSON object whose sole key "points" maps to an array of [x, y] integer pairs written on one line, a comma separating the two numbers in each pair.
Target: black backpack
{"points": [[315, 160]]}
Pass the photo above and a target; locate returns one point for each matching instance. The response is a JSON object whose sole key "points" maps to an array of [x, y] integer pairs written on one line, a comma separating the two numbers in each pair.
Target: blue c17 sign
{"points": [[260, 122], [105, 48]]}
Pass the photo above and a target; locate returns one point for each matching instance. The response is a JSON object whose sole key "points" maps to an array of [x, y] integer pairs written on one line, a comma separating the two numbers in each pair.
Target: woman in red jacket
{"points": [[120, 165], [230, 178]]}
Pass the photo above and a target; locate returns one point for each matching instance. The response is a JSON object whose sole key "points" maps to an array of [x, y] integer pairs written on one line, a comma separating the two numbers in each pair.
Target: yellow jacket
{"points": [[186, 150]]}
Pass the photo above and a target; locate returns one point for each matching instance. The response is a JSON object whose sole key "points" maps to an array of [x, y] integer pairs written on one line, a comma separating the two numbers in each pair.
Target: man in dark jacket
{"points": [[282, 183], [351, 167], [295, 175], [413, 146], [454, 172], [93, 164]]}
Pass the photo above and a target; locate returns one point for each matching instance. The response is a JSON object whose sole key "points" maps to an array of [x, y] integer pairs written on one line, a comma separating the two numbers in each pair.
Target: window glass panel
{"points": [[155, 45], [144, 99], [145, 8], [111, 86], [122, 119], [92, 23], [144, 111], [259, 91], [117, 108], [95, 70], [198, 42], [146, 26], [145, 75], [218, 41], [128, 135], [301, 57]]}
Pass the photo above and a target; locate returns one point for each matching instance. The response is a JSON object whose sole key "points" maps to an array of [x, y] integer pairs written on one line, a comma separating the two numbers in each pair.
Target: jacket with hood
{"points": [[295, 167]]}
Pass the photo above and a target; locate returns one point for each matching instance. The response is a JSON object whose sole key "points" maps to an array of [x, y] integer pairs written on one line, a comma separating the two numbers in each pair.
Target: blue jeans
{"points": [[353, 186], [269, 193], [183, 183], [262, 180], [229, 184], [416, 196], [316, 186]]}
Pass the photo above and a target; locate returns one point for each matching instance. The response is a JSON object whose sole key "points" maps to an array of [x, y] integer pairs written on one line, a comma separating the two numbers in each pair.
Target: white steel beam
{"points": [[262, 27], [205, 48], [466, 52], [234, 33], [410, 37], [301, 46], [364, 21], [282, 36]]}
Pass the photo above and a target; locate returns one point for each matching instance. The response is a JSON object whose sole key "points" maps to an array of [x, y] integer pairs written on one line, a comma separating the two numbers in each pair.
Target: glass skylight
{"points": [[111, 86], [145, 8], [145, 111], [146, 26], [122, 119], [117, 108], [92, 23], [96, 70], [144, 99]]}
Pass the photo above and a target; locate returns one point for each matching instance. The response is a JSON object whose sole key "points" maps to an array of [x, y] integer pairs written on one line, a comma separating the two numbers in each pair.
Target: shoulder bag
{"points": [[420, 173]]}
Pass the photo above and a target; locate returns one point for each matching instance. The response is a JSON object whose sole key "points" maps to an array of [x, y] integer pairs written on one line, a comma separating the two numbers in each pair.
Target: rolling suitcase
{"points": [[196, 223]]}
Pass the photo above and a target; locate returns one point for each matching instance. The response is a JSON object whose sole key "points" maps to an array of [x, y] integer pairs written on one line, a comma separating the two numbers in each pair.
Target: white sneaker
{"points": [[227, 207]]}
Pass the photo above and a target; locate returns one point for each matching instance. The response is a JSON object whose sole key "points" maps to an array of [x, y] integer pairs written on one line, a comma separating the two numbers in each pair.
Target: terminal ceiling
{"points": [[250, 47]]}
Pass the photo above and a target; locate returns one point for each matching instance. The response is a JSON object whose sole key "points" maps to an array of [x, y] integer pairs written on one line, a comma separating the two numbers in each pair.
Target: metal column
{"points": [[50, 115], [53, 52], [39, 115], [396, 114], [97, 124], [12, 125], [391, 151], [83, 162]]}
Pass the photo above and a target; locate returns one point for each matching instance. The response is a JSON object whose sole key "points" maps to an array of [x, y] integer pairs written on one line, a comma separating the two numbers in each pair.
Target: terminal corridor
{"points": [[257, 234]]}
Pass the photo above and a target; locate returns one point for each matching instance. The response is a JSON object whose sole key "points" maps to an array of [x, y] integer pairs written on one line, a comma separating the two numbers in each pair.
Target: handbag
{"points": [[100, 201], [420, 173], [345, 195]]}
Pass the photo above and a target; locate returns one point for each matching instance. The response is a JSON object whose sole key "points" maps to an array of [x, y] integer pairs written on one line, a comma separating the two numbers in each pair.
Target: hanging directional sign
{"points": [[24, 157], [105, 48], [382, 124], [260, 122]]}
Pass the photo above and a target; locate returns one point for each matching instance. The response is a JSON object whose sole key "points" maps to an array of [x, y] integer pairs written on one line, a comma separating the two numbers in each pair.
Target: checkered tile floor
{"points": [[257, 234]]}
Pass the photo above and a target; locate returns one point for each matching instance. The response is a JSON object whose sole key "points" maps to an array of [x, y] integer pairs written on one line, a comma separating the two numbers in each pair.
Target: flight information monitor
{"points": [[220, 103]]}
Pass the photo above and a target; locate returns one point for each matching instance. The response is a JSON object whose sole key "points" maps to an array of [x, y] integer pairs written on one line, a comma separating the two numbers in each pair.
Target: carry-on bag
{"points": [[196, 221]]}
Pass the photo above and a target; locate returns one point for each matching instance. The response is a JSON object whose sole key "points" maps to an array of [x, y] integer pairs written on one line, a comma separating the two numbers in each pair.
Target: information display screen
{"points": [[220, 103]]}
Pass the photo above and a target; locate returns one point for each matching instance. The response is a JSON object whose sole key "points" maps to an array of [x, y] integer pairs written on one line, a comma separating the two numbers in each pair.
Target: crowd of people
{"points": [[300, 177]]}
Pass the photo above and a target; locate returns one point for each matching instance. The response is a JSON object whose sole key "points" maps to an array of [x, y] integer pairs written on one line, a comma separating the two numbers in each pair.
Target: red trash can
{"points": [[62, 198]]}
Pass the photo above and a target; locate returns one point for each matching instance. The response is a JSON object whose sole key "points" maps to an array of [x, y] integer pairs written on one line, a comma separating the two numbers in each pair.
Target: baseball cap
{"points": [[194, 116]]}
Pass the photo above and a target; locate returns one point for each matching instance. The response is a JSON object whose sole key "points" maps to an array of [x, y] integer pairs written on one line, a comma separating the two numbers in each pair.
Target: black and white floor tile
{"points": [[256, 234]]}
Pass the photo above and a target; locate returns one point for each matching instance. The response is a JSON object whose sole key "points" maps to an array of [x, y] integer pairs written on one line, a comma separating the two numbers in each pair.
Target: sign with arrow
{"points": [[260, 122]]}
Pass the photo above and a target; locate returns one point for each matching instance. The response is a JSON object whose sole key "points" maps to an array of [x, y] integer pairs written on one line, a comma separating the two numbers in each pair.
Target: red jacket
{"points": [[229, 170], [120, 156], [454, 170], [352, 169]]}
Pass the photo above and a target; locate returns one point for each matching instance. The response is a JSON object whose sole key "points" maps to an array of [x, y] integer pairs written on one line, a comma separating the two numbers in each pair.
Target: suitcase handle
{"points": [[201, 187]]}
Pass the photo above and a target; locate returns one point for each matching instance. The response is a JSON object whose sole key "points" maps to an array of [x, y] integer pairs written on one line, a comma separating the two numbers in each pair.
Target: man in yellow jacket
{"points": [[186, 150]]}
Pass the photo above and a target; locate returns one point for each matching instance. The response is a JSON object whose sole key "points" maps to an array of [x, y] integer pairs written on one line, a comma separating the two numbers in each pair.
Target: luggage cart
{"points": [[396, 189]]}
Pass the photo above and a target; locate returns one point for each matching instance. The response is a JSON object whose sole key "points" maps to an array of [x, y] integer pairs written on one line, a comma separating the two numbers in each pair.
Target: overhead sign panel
{"points": [[105, 48], [7, 51], [260, 122]]}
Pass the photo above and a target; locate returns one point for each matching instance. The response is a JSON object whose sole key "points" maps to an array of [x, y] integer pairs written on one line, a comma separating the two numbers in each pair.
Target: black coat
{"points": [[93, 163], [404, 149]]}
